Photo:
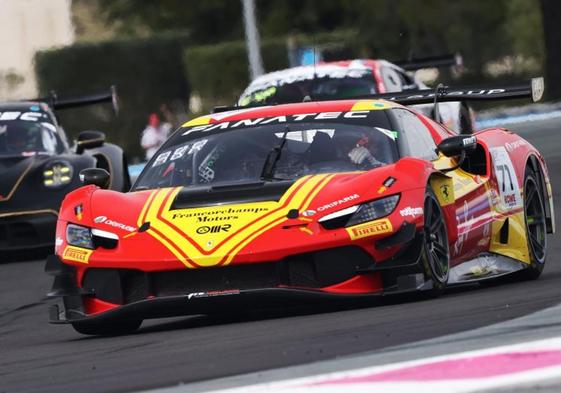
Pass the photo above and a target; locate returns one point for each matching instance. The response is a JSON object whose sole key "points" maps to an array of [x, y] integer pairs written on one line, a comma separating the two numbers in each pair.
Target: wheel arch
{"points": [[534, 164], [443, 188]]}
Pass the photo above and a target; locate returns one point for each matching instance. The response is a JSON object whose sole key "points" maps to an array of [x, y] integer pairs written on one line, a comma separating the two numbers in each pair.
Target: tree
{"points": [[207, 21], [482, 31], [551, 15]]}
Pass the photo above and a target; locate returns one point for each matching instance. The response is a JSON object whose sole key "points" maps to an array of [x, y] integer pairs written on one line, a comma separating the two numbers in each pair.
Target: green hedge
{"points": [[219, 73], [147, 72]]}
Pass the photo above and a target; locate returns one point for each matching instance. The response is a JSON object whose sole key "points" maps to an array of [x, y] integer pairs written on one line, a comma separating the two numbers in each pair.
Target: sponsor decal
{"points": [[483, 242], [106, 221], [473, 223], [213, 229], [338, 202], [495, 197], [507, 181], [76, 254], [461, 182], [411, 211], [391, 134], [386, 184], [78, 211], [227, 292], [464, 221], [219, 214], [58, 243], [484, 267], [279, 120], [258, 96], [538, 87], [308, 213], [469, 141], [370, 229], [279, 78], [515, 145], [471, 93], [188, 148], [26, 116]]}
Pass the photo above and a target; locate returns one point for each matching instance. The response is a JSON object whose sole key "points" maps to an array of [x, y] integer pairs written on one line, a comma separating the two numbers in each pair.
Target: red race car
{"points": [[278, 204]]}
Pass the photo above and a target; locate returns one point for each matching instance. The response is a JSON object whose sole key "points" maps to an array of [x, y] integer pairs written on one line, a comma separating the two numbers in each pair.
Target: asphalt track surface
{"points": [[38, 357]]}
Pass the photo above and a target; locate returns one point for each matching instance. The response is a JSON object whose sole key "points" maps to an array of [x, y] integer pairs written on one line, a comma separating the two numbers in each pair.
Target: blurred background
{"points": [[180, 58]]}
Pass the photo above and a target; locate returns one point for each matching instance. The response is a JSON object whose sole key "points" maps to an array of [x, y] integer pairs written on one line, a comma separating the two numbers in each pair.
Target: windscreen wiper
{"points": [[273, 157]]}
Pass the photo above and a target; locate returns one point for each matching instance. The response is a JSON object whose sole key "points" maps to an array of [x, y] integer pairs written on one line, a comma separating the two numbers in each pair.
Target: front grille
{"points": [[118, 286], [262, 275], [311, 270]]}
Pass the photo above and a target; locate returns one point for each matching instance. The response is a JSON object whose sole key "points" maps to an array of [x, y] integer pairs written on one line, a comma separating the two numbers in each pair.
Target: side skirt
{"points": [[484, 266]]}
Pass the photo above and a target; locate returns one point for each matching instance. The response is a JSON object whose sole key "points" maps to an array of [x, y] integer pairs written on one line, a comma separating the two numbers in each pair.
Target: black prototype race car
{"points": [[38, 167]]}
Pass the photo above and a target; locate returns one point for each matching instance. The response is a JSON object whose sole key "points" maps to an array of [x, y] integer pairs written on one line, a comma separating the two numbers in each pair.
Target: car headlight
{"points": [[79, 236], [358, 214], [57, 174], [373, 210]]}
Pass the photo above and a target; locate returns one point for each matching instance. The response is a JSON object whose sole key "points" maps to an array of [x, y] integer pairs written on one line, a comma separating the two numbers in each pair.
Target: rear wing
{"points": [[430, 62], [533, 89], [57, 102]]}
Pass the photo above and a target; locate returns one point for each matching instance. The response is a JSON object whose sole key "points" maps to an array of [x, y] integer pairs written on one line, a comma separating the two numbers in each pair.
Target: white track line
{"points": [[331, 382]]}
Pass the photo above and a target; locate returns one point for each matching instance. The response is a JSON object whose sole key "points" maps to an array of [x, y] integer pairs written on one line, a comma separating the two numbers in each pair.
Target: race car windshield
{"points": [[234, 156], [25, 138], [318, 89]]}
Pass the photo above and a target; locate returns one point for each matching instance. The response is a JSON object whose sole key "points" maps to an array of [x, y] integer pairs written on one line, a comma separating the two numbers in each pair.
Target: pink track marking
{"points": [[467, 368]]}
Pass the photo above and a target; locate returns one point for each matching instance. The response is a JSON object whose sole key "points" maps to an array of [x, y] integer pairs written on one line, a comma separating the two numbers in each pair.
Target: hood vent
{"points": [[193, 197]]}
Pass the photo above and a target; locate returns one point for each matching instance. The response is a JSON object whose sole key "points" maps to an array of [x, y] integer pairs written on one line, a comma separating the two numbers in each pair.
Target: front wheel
{"points": [[436, 253], [535, 221]]}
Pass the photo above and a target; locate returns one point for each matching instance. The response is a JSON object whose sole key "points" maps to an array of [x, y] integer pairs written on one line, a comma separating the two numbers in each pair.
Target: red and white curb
{"points": [[497, 367]]}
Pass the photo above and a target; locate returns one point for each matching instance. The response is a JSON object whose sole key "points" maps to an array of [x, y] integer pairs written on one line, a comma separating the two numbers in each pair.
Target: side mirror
{"points": [[96, 176], [457, 145], [89, 140]]}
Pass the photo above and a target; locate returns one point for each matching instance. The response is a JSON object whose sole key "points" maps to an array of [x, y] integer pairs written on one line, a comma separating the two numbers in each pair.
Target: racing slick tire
{"points": [[435, 255], [535, 222], [109, 328]]}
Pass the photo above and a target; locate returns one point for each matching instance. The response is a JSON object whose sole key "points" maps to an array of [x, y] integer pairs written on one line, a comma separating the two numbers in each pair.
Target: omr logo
{"points": [[213, 229], [100, 219]]}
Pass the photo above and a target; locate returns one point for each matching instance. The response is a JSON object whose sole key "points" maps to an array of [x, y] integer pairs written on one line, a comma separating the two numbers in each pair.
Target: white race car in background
{"points": [[352, 79]]}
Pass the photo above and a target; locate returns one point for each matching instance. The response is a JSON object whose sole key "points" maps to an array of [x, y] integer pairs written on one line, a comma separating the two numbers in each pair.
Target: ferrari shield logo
{"points": [[78, 212]]}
